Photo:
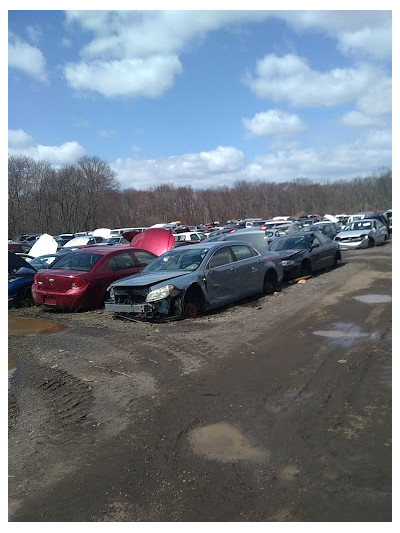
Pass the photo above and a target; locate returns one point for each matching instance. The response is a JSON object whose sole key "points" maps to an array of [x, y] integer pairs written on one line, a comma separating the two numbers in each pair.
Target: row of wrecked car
{"points": [[154, 275]]}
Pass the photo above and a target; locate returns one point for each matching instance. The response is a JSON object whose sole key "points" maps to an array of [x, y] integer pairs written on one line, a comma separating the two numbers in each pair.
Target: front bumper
{"points": [[139, 309], [162, 307], [352, 245]]}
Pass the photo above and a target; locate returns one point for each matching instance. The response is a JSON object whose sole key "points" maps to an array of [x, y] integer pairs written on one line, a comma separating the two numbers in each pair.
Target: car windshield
{"points": [[177, 259], [40, 263], [359, 225], [78, 261], [289, 243]]}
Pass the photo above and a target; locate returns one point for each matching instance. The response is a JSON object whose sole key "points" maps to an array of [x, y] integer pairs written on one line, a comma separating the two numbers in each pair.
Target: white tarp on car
{"points": [[332, 218], [46, 244], [77, 241], [102, 232]]}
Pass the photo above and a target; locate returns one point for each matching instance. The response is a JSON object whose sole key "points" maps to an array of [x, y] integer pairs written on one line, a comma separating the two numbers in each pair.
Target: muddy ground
{"points": [[274, 410]]}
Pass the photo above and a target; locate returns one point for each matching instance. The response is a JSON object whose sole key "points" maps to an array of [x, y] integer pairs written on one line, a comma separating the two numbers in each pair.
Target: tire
{"points": [[305, 269], [371, 242], [338, 259], [270, 282], [192, 303], [24, 298]]}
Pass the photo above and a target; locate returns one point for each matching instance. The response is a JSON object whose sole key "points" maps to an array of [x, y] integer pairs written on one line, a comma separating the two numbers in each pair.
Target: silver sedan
{"points": [[185, 281], [362, 234]]}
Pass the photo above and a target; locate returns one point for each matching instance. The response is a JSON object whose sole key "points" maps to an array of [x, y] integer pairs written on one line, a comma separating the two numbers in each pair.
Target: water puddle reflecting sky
{"points": [[374, 298], [345, 334]]}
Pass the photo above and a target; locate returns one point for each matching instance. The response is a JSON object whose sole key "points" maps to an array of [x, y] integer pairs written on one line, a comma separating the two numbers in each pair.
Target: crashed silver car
{"points": [[191, 279], [362, 234]]}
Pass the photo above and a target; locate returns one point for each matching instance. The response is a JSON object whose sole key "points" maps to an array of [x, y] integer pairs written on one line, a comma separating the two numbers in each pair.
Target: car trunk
{"points": [[60, 281]]}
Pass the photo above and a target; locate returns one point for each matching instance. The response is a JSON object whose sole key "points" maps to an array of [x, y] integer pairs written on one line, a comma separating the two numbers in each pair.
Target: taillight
{"points": [[79, 283], [35, 281]]}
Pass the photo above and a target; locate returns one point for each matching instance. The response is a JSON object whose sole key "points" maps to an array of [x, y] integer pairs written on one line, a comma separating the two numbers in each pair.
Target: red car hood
{"points": [[155, 240]]}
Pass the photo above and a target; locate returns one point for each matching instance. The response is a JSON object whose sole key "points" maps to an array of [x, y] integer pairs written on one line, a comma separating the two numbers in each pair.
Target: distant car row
{"points": [[153, 275]]}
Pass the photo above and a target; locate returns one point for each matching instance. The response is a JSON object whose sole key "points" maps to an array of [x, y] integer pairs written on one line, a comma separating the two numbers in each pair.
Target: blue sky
{"points": [[203, 98]]}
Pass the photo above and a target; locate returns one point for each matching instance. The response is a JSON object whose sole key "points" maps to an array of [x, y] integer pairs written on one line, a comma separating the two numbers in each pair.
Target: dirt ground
{"points": [[277, 409]]}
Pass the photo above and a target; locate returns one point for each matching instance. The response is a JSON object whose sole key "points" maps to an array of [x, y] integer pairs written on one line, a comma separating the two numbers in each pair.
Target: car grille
{"points": [[349, 239], [130, 295]]}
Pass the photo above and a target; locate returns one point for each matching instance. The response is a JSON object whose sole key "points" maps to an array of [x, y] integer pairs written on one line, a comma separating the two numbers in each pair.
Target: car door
{"points": [[222, 278], [250, 268], [321, 251], [380, 231]]}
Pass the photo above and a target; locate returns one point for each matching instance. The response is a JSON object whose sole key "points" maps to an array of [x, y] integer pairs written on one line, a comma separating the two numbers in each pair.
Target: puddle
{"points": [[345, 334], [32, 326], [223, 442], [374, 298]]}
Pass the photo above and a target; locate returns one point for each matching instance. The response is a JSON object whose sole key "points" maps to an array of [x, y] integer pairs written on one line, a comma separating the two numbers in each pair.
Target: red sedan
{"points": [[79, 279]]}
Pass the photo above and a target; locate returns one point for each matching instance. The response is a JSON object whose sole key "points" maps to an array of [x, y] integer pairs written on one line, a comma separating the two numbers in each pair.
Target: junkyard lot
{"points": [[277, 409]]}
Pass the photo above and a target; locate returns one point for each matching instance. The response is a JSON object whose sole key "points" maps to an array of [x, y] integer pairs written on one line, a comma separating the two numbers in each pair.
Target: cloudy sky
{"points": [[203, 98]]}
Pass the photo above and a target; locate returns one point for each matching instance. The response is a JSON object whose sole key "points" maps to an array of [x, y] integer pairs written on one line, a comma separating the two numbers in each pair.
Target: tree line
{"points": [[86, 195]]}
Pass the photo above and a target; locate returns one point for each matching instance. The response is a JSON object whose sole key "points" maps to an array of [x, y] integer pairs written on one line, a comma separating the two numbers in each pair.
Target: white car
{"points": [[192, 236], [362, 234]]}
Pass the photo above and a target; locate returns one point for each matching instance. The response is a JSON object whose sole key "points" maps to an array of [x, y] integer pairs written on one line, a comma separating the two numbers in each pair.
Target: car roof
{"points": [[107, 250]]}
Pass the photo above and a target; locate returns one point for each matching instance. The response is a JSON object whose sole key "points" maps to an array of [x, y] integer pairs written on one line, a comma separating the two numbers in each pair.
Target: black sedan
{"points": [[305, 253]]}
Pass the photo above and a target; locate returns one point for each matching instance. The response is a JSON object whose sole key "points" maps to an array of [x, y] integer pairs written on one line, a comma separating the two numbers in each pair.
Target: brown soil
{"points": [[275, 409]]}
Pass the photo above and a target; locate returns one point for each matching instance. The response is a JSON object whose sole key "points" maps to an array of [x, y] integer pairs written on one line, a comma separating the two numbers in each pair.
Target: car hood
{"points": [[353, 233], [155, 240], [15, 262], [287, 254], [142, 279]]}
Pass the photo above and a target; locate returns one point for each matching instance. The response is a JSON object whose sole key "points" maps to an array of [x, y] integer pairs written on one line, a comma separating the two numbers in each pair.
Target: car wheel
{"points": [[24, 298], [305, 269], [270, 282], [338, 259], [371, 242], [192, 303]]}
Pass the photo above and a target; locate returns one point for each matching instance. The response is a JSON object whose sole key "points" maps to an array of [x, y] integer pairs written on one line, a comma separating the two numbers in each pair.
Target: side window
{"points": [[144, 258], [221, 257], [122, 261], [241, 251], [323, 239]]}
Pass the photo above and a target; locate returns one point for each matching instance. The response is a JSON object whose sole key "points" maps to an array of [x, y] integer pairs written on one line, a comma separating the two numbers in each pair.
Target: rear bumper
{"points": [[72, 300]]}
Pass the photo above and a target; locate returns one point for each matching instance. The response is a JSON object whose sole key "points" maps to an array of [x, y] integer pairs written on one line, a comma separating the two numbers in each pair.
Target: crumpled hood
{"points": [[287, 254], [142, 279], [353, 233]]}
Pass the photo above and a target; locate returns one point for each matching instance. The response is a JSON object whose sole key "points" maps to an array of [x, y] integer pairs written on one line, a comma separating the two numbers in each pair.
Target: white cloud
{"points": [[290, 79], [358, 33], [359, 120], [273, 123], [225, 165], [29, 59], [129, 77], [19, 140], [124, 46], [135, 53], [21, 143], [206, 169]]}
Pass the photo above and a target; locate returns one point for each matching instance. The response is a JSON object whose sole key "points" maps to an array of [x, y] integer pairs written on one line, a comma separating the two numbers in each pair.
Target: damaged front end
{"points": [[145, 302]]}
